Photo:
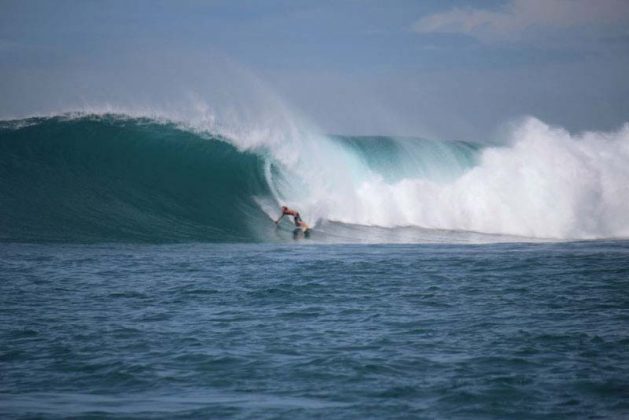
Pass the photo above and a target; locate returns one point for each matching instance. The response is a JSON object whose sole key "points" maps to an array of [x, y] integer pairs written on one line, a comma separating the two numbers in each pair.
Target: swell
{"points": [[110, 178]]}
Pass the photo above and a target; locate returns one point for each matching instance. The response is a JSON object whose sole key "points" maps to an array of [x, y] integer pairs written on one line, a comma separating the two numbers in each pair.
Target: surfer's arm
{"points": [[280, 218]]}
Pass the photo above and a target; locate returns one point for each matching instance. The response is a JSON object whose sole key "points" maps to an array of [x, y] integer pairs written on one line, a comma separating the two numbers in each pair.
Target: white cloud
{"points": [[517, 17]]}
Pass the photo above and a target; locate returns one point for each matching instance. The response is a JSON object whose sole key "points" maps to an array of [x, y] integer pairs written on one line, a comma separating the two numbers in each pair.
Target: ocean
{"points": [[142, 276]]}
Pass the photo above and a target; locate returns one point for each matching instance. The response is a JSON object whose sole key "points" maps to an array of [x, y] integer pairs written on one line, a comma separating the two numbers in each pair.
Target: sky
{"points": [[443, 69]]}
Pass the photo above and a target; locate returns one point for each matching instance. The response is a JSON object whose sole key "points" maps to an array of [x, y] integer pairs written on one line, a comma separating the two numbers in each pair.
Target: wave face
{"points": [[108, 177], [115, 179]]}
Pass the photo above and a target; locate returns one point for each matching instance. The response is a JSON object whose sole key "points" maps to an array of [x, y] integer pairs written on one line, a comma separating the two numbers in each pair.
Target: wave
{"points": [[94, 178], [110, 178]]}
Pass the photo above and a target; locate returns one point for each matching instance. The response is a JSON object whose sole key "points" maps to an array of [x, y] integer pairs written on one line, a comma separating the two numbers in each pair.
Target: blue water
{"points": [[301, 330]]}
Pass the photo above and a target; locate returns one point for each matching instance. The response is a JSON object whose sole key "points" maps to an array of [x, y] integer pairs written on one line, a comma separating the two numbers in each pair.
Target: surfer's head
{"points": [[284, 208]]}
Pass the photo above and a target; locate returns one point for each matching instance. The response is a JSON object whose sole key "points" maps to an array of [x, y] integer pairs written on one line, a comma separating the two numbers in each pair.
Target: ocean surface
{"points": [[142, 276], [299, 330]]}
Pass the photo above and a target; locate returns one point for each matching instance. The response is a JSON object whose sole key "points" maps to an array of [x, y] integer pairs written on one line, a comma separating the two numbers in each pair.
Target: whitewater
{"points": [[103, 177]]}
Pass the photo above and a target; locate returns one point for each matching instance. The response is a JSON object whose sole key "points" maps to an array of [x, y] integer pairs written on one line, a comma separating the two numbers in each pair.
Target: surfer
{"points": [[297, 218]]}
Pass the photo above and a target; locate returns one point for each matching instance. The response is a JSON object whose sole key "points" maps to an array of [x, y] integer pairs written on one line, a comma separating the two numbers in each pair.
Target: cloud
{"points": [[517, 18]]}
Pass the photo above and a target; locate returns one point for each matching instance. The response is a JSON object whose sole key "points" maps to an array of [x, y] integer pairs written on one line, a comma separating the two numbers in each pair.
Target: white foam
{"points": [[546, 184]]}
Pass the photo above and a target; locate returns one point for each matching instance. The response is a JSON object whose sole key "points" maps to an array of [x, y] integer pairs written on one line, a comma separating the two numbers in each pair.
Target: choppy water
{"points": [[296, 330]]}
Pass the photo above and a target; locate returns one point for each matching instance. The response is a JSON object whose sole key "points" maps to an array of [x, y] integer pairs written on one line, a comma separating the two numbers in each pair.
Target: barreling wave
{"points": [[111, 178], [94, 178]]}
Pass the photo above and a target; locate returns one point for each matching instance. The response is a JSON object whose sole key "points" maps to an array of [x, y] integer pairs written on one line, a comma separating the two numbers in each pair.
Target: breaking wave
{"points": [[94, 178]]}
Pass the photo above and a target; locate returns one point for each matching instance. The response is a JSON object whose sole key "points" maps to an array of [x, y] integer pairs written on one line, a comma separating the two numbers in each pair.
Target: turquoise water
{"points": [[297, 330], [111, 179]]}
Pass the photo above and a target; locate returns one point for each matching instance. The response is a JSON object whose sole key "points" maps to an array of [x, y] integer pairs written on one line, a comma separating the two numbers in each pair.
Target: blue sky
{"points": [[446, 69]]}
